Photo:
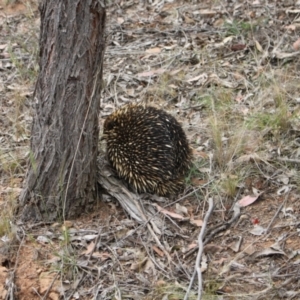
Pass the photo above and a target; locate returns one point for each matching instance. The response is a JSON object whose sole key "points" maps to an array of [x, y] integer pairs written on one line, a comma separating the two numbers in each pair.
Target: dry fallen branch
{"points": [[199, 255], [130, 202]]}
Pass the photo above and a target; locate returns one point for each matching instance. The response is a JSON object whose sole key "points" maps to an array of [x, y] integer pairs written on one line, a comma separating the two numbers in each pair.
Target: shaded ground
{"points": [[229, 71]]}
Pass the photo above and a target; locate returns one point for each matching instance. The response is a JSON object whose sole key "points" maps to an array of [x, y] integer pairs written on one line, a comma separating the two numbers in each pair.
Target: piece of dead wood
{"points": [[130, 202]]}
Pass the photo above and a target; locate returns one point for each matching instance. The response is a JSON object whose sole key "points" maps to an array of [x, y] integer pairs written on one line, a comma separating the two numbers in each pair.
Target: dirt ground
{"points": [[229, 72]]}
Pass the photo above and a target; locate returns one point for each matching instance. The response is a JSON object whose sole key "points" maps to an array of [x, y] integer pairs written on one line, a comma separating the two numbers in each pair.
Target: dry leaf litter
{"points": [[229, 72]]}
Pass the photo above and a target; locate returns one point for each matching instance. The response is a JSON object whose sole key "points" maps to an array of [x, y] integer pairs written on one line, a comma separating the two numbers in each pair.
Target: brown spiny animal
{"points": [[148, 148]]}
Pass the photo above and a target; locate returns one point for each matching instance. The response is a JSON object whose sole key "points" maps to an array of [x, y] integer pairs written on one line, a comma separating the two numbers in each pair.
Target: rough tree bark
{"points": [[61, 180]]}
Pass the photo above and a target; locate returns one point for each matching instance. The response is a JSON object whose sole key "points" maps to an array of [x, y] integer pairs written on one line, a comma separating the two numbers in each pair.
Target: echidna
{"points": [[148, 148]]}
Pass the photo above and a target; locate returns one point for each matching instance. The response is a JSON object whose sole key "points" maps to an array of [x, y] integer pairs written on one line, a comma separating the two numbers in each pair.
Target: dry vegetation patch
{"points": [[229, 72]]}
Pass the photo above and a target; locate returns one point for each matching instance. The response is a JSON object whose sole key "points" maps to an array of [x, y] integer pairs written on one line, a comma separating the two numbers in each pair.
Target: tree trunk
{"points": [[61, 180]]}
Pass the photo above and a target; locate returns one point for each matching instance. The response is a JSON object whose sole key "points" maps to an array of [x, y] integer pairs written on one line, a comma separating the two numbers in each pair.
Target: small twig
{"points": [[277, 212], [39, 224], [188, 195], [218, 228], [76, 286], [199, 255], [37, 293], [95, 245], [288, 225], [10, 294], [151, 257], [49, 288], [292, 160], [159, 243]]}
